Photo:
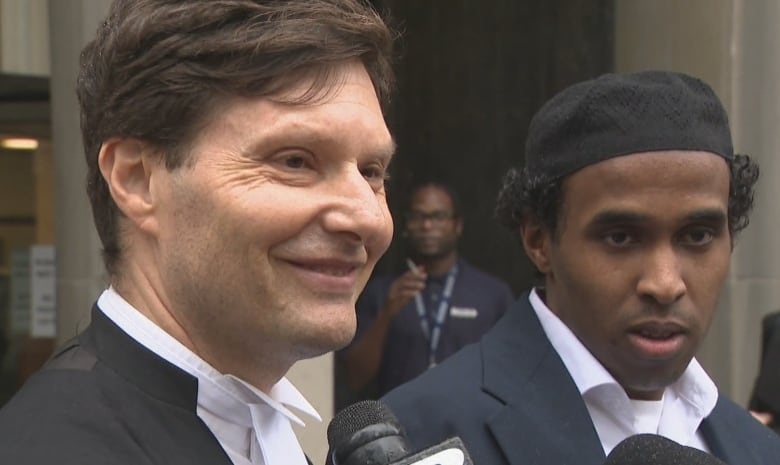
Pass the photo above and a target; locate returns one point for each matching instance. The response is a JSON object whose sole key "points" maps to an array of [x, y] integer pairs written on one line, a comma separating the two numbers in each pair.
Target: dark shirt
{"points": [[478, 300]]}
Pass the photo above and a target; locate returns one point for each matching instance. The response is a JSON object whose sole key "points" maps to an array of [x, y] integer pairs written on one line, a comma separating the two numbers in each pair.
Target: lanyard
{"points": [[433, 335]]}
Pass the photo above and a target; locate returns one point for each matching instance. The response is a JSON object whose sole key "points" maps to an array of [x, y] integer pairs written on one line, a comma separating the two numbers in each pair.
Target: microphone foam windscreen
{"points": [[356, 417], [652, 449]]}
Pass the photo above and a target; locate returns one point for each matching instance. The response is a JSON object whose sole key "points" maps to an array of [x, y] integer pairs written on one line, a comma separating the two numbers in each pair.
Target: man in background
{"points": [[411, 321], [629, 204], [765, 401], [236, 155]]}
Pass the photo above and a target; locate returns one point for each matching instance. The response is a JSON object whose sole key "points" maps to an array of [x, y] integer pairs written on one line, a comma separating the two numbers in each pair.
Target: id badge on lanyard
{"points": [[433, 335]]}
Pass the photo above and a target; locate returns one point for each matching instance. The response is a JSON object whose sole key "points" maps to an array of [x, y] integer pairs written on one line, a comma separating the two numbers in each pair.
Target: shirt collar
{"points": [[583, 367], [686, 402]]}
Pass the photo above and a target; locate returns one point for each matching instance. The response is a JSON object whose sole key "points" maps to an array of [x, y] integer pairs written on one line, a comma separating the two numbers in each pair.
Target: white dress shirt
{"points": [[676, 416], [253, 427]]}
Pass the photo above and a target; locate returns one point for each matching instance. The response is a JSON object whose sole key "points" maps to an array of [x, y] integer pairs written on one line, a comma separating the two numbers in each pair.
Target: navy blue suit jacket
{"points": [[512, 401]]}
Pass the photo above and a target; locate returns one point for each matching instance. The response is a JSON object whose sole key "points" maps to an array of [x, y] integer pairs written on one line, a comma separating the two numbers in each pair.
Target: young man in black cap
{"points": [[628, 205]]}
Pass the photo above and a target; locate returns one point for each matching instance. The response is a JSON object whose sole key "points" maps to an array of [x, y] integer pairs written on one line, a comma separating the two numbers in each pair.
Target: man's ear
{"points": [[458, 226], [537, 241], [127, 166]]}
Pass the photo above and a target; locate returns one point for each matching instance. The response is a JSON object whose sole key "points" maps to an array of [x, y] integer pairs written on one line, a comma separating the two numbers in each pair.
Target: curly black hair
{"points": [[524, 195]]}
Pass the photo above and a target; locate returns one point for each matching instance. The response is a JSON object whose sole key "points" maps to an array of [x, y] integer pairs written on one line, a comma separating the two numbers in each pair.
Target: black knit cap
{"points": [[621, 114]]}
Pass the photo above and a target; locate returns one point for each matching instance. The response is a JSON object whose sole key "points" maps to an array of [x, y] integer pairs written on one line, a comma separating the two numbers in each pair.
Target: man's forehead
{"points": [[631, 186], [430, 194]]}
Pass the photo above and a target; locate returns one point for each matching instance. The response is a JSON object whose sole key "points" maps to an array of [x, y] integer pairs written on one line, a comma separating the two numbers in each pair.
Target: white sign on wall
{"points": [[43, 291], [20, 291]]}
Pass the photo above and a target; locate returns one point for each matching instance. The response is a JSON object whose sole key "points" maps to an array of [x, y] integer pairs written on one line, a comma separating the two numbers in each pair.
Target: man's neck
{"points": [[437, 266], [136, 290]]}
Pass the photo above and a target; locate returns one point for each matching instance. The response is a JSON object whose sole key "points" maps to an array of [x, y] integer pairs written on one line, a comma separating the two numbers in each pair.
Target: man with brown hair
{"points": [[236, 157]]}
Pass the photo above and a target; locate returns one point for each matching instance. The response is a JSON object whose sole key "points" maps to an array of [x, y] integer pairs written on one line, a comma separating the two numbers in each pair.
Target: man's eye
{"points": [[698, 237], [619, 239], [295, 161], [373, 172]]}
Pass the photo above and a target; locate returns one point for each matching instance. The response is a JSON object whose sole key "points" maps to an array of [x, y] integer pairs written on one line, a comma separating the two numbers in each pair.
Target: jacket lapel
{"points": [[543, 404], [725, 442], [161, 416]]}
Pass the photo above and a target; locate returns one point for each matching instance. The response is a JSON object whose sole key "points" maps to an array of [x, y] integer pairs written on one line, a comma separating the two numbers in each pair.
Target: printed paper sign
{"points": [[20, 291], [43, 289]]}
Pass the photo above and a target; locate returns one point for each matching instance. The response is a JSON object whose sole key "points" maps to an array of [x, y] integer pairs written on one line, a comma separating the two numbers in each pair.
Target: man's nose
{"points": [[357, 209], [427, 222], [661, 278]]}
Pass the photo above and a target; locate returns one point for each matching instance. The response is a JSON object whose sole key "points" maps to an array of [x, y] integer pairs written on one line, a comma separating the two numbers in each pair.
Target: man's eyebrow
{"points": [[303, 135], [387, 152], [613, 217], [708, 215]]}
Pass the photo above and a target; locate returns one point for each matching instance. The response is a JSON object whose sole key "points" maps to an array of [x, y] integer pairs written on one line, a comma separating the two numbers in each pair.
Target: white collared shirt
{"points": [[253, 427], [677, 416]]}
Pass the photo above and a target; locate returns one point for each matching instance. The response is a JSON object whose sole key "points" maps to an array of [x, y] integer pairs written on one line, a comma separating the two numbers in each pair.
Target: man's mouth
{"points": [[658, 340], [331, 270], [329, 276], [657, 333]]}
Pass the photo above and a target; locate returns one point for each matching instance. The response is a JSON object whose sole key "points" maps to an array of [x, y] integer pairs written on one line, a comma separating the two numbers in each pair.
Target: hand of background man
{"points": [[763, 417], [403, 289]]}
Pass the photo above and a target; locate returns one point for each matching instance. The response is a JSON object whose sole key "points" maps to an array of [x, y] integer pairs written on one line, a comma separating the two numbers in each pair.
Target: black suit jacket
{"points": [[512, 401], [105, 399]]}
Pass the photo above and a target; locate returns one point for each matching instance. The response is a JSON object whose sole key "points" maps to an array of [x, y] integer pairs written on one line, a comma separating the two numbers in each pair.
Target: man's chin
{"points": [[326, 341], [650, 388], [430, 253], [343, 341]]}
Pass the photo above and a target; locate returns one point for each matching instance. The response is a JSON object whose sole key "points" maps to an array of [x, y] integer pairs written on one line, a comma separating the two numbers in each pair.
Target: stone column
{"points": [[755, 271], [80, 273]]}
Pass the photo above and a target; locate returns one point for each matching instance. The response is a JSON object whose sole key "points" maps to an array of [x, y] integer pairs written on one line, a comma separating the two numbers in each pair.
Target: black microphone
{"points": [[368, 433], [652, 449]]}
